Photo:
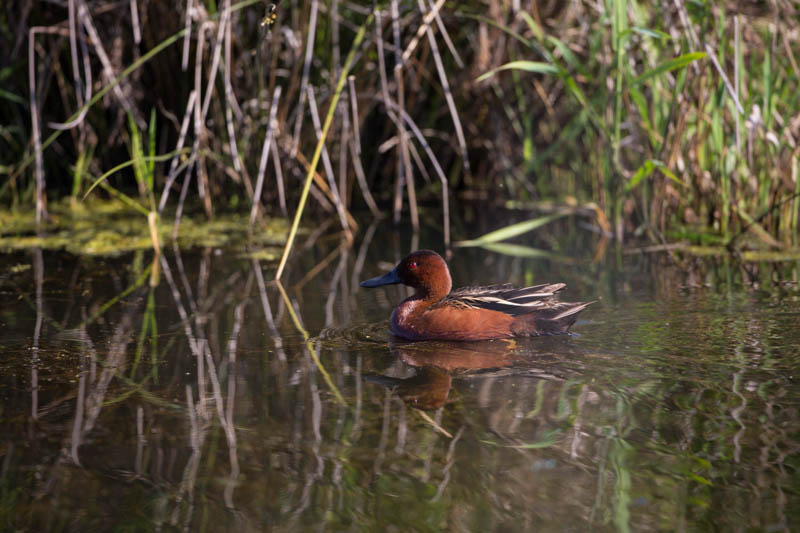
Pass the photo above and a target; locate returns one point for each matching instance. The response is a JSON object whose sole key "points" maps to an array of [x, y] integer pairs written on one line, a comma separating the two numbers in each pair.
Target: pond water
{"points": [[216, 400]]}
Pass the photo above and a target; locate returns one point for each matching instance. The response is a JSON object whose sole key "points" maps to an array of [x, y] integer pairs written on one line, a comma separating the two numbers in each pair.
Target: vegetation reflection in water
{"points": [[208, 400]]}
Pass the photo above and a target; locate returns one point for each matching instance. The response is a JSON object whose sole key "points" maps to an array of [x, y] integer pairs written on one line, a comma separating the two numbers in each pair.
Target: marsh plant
{"points": [[673, 122]]}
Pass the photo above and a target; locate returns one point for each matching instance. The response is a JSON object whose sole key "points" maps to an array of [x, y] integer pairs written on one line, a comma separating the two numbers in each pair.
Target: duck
{"points": [[436, 312]]}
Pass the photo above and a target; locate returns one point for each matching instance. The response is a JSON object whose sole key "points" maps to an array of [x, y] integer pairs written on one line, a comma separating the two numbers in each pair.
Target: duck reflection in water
{"points": [[437, 362]]}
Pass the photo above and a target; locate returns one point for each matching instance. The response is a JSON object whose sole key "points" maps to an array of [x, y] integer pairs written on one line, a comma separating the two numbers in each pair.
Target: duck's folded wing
{"points": [[506, 298]]}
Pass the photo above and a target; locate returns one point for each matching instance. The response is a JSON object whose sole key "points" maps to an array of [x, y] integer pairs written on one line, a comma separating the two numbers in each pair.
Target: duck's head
{"points": [[425, 270]]}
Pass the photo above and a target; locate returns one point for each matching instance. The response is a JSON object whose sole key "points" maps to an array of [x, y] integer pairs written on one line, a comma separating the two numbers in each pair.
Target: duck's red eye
{"points": [[412, 264]]}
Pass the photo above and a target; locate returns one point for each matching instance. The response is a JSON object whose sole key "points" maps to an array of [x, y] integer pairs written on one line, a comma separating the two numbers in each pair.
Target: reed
{"points": [[676, 120]]}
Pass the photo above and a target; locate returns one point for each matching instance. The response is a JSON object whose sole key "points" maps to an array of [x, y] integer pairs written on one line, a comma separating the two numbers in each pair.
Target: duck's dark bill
{"points": [[389, 278]]}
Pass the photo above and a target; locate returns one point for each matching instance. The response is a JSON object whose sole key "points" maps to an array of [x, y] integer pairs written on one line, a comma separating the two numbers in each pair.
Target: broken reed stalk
{"points": [[265, 150], [321, 142], [406, 158], [326, 163]]}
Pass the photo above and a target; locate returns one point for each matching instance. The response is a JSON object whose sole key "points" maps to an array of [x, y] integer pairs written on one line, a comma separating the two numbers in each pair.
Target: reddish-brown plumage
{"points": [[473, 313]]}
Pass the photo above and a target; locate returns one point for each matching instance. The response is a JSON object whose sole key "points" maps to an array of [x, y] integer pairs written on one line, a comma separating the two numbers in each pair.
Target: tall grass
{"points": [[679, 120]]}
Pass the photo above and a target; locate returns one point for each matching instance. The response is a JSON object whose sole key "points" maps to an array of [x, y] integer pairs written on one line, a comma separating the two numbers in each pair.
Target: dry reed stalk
{"points": [[320, 144], [137, 32], [418, 161], [408, 171], [445, 195], [395, 13], [83, 92], [445, 35], [199, 126], [182, 197], [337, 58], [355, 150], [319, 184], [187, 36], [312, 29], [736, 77], [326, 163], [276, 163], [426, 22], [451, 104], [397, 203], [108, 69], [41, 193], [172, 174], [222, 24], [353, 99], [265, 149], [344, 142], [230, 104], [712, 54]]}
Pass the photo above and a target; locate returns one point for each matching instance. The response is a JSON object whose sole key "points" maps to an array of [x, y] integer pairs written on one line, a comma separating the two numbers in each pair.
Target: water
{"points": [[212, 402]]}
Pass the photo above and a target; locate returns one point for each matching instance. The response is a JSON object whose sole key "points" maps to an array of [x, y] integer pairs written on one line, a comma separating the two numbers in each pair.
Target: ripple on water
{"points": [[365, 335]]}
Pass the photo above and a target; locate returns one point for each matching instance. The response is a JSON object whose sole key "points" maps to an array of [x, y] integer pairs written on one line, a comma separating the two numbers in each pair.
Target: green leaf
{"points": [[130, 162], [12, 97], [528, 66], [151, 149], [568, 55], [656, 34], [511, 231], [672, 64], [533, 25], [518, 250], [646, 169]]}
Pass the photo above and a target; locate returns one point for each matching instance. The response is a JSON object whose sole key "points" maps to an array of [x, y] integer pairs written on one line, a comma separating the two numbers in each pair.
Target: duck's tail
{"points": [[553, 321]]}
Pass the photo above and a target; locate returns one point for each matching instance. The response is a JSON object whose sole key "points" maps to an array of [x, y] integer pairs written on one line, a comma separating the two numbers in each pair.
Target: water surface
{"points": [[212, 401]]}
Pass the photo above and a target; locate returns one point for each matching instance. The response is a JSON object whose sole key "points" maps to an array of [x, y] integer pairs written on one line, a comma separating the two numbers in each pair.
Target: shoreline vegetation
{"points": [[674, 126]]}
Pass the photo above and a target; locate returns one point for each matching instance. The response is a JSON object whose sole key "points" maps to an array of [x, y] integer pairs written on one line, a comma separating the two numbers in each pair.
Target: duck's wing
{"points": [[506, 298]]}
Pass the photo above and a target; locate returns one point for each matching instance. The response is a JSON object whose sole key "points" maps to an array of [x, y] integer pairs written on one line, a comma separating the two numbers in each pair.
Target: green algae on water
{"points": [[109, 227]]}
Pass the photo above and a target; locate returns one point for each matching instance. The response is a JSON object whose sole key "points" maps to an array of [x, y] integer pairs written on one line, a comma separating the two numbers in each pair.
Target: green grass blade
{"points": [[158, 158], [529, 66], [513, 230], [646, 169], [672, 64], [151, 149]]}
